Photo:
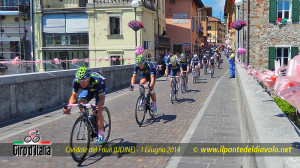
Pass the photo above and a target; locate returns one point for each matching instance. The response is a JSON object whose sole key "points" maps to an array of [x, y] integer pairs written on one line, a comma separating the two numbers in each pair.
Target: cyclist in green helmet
{"points": [[174, 69], [92, 85], [185, 63], [148, 73]]}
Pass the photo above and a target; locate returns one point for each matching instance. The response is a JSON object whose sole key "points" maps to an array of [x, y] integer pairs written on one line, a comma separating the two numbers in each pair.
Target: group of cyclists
{"points": [[93, 84]]}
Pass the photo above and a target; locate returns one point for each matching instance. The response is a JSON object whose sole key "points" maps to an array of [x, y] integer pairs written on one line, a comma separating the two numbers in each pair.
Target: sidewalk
{"points": [[220, 122]]}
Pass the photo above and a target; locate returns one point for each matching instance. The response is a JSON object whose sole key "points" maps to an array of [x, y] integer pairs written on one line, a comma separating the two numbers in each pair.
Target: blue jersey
{"points": [[177, 67], [195, 62], [149, 69], [185, 64], [97, 84]]}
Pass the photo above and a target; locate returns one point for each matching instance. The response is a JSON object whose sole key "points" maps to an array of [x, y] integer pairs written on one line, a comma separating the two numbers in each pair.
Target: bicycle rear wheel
{"points": [[150, 108], [140, 110], [211, 73], [182, 85], [80, 137], [106, 123], [172, 93]]}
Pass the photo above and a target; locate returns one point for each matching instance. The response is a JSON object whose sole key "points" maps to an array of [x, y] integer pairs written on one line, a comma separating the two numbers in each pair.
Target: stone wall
{"points": [[22, 95], [265, 34]]}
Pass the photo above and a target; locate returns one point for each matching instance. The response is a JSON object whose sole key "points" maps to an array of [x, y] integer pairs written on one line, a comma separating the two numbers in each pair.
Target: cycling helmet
{"points": [[204, 56], [140, 59], [83, 73], [172, 59], [195, 56]]}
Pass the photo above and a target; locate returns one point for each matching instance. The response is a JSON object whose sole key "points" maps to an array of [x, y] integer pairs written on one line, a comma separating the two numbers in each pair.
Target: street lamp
{"points": [[135, 4], [238, 3]]}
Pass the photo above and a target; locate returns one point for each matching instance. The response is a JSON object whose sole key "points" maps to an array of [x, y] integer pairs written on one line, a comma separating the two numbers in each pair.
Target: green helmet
{"points": [[140, 59], [83, 73], [172, 59]]}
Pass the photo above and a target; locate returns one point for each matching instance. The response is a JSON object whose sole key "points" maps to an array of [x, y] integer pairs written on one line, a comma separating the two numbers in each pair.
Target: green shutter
{"points": [[273, 11], [272, 54], [295, 10], [294, 51]]}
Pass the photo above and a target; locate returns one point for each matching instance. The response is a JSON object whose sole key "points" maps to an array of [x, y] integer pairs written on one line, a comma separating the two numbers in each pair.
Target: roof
{"points": [[213, 19], [199, 3]]}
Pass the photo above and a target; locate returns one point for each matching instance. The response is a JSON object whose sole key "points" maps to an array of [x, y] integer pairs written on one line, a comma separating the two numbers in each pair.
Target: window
{"points": [[208, 27], [284, 9], [147, 45], [115, 60], [114, 25], [80, 39], [283, 55], [193, 24], [163, 6], [172, 2]]}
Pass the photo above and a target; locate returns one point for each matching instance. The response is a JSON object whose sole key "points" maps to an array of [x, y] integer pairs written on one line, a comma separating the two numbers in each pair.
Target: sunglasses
{"points": [[83, 80]]}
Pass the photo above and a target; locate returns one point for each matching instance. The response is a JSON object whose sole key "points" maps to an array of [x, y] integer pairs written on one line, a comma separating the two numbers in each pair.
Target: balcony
{"points": [[150, 4], [14, 5], [161, 41]]}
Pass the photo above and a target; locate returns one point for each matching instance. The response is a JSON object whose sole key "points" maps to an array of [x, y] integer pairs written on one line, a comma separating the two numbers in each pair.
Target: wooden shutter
{"points": [[272, 54], [273, 11], [294, 51], [295, 10]]}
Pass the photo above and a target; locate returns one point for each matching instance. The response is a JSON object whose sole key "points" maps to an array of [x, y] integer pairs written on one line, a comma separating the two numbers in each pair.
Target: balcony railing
{"points": [[150, 4], [14, 5], [161, 41]]}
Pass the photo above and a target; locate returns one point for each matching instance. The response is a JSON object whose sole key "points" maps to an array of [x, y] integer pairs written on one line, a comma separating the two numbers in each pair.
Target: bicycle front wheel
{"points": [[80, 138], [106, 123], [140, 110]]}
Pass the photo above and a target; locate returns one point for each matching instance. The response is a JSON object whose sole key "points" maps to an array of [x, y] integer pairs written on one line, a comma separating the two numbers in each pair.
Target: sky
{"points": [[216, 5]]}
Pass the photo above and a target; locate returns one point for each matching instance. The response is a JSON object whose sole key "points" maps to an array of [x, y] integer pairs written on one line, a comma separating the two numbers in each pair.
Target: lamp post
{"points": [[135, 4], [238, 3]]}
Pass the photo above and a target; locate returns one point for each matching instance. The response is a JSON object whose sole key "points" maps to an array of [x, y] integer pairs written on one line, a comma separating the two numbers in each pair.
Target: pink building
{"points": [[183, 22]]}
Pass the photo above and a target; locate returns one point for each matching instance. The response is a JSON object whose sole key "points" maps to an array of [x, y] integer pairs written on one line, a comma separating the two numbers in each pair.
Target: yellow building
{"points": [[216, 31], [81, 29]]}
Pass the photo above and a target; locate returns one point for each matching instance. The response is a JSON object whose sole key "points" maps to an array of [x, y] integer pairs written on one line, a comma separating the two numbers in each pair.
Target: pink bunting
{"points": [[56, 60], [74, 61], [38, 61], [16, 61], [86, 60]]}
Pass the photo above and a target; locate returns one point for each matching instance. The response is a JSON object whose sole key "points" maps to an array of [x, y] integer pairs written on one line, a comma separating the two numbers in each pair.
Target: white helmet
{"points": [[195, 56], [204, 56]]}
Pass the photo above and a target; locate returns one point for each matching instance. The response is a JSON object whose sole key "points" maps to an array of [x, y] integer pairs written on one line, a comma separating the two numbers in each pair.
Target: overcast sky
{"points": [[216, 5]]}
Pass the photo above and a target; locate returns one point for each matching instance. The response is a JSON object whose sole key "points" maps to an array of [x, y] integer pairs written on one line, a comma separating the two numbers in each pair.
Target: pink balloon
{"points": [[74, 61], [99, 59]]}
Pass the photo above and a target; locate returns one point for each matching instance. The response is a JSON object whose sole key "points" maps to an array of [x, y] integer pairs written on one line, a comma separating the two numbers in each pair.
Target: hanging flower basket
{"points": [[238, 24], [135, 25]]}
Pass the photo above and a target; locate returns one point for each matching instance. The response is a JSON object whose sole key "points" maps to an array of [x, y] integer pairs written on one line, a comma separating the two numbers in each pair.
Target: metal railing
{"points": [[162, 41]]}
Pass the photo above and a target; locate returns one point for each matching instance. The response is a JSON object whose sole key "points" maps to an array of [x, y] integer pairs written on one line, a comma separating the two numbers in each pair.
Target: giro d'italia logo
{"points": [[32, 145]]}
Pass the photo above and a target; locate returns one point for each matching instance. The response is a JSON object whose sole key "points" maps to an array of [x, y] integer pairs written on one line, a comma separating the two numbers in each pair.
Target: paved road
{"points": [[169, 127]]}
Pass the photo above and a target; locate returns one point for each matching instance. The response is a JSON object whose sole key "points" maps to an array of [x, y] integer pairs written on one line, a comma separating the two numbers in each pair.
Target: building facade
{"points": [[272, 33], [15, 35], [216, 31], [205, 12], [183, 23], [93, 30]]}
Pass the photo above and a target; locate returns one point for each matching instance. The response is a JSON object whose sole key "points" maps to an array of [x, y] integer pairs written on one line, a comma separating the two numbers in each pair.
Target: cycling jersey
{"points": [[195, 62], [212, 60], [173, 70], [149, 69], [205, 60], [97, 84], [95, 88], [185, 64]]}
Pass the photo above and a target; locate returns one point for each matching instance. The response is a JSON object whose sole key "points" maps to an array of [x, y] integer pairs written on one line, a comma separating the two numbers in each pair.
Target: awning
{"points": [[10, 39], [9, 12]]}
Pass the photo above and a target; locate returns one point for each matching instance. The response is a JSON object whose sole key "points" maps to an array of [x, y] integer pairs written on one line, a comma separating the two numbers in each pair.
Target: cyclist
{"points": [[174, 69], [205, 63], [185, 67], [148, 73], [212, 63], [195, 64], [92, 85]]}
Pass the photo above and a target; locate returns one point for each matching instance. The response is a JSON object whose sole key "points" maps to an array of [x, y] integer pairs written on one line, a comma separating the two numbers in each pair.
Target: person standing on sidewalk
{"points": [[231, 62]]}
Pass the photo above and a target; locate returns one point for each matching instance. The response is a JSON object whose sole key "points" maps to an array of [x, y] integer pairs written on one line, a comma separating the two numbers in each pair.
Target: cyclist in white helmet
{"points": [[195, 64]]}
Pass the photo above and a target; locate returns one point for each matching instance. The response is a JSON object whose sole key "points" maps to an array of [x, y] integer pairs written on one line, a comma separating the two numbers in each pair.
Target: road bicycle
{"points": [[174, 89], [143, 104], [85, 129], [195, 76], [211, 71], [182, 82], [205, 68]]}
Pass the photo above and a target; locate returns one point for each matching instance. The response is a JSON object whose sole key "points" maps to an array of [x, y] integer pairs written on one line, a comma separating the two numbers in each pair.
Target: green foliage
{"points": [[284, 105]]}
